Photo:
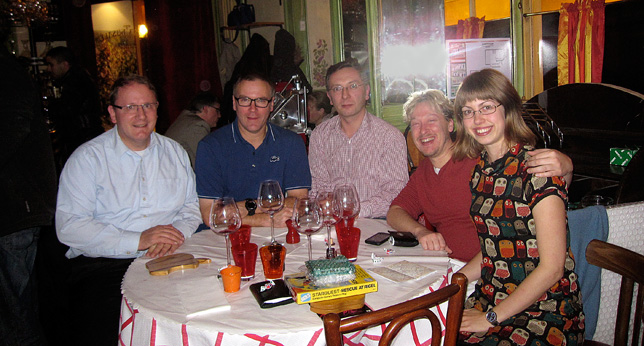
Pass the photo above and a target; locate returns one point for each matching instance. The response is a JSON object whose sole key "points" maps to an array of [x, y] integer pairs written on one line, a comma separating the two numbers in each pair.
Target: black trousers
{"points": [[94, 286]]}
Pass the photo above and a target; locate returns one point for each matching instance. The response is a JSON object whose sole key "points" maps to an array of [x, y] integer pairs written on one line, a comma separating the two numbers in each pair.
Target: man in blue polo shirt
{"points": [[234, 160]]}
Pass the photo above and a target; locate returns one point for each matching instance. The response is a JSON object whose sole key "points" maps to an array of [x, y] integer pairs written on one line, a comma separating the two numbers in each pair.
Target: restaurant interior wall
{"points": [[621, 45]]}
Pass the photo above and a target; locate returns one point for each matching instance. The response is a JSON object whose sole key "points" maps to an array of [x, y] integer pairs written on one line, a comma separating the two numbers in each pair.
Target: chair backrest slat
{"points": [[401, 314], [629, 265]]}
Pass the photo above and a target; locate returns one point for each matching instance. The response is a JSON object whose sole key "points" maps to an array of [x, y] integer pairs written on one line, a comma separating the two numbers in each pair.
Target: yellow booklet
{"points": [[305, 292]]}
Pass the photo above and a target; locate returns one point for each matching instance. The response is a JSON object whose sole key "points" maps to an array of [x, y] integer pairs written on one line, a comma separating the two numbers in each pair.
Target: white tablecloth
{"points": [[189, 307]]}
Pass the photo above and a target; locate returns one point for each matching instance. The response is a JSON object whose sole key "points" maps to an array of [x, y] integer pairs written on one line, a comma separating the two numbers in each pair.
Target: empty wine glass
{"points": [[271, 200], [324, 200], [225, 219], [307, 219], [346, 203]]}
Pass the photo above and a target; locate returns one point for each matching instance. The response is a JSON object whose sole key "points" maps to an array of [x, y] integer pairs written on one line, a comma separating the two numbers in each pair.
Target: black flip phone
{"points": [[406, 239], [378, 238]]}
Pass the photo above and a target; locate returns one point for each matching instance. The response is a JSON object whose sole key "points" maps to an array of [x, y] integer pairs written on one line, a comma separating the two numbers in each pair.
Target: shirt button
{"points": [[144, 198], [143, 179], [253, 166], [145, 216]]}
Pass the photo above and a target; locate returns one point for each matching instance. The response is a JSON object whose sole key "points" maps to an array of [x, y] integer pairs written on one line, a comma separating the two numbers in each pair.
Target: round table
{"points": [[189, 307]]}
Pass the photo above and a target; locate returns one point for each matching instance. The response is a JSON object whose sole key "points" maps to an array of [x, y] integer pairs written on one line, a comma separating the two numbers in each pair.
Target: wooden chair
{"points": [[403, 313], [630, 266], [414, 156]]}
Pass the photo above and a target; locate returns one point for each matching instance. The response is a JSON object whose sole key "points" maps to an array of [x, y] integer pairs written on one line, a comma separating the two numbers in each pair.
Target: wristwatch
{"points": [[251, 206], [490, 316]]}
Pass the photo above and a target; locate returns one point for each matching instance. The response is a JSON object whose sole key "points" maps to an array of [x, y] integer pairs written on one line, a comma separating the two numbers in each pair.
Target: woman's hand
{"points": [[474, 321]]}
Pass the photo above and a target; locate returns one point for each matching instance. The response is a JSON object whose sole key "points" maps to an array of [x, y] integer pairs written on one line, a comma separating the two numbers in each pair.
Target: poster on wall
{"points": [[115, 41], [471, 55]]}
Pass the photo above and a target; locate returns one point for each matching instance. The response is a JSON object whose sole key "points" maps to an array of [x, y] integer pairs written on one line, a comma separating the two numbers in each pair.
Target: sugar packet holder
{"points": [[271, 293]]}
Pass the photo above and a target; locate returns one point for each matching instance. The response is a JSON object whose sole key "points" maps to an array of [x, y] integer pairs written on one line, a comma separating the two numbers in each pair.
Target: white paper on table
{"points": [[403, 271], [202, 297]]}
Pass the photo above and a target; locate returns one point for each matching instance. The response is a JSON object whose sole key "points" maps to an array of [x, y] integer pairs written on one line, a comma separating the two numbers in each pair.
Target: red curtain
{"points": [[580, 45], [470, 28], [181, 58]]}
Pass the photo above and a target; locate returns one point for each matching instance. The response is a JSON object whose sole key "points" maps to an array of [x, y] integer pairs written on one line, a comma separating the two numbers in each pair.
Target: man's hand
{"points": [[432, 241], [285, 214], [548, 163], [160, 240], [160, 250]]}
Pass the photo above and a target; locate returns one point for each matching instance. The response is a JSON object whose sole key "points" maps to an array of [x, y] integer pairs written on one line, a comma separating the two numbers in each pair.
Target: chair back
{"points": [[630, 266], [414, 156], [401, 314]]}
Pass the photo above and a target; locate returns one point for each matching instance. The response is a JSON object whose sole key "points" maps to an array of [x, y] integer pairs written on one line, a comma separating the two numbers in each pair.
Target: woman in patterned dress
{"points": [[527, 291]]}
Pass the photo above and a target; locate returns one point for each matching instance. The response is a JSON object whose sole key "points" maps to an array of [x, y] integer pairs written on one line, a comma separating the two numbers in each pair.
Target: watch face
{"points": [[251, 204], [491, 317]]}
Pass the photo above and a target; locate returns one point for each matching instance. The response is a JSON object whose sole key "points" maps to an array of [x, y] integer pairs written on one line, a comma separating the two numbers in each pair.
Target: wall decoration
{"points": [[318, 14]]}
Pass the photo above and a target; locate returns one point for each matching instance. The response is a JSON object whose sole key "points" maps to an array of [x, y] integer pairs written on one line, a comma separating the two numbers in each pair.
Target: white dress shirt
{"points": [[109, 195]]}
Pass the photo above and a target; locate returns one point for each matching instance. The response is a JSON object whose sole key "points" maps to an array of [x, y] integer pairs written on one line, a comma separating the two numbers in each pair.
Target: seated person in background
{"points": [[439, 189], [318, 107], [357, 147], [127, 193], [194, 123], [235, 159], [525, 269]]}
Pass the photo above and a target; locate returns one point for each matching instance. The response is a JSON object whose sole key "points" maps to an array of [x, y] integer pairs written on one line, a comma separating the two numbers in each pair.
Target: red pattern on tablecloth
{"points": [[128, 323], [153, 332]]}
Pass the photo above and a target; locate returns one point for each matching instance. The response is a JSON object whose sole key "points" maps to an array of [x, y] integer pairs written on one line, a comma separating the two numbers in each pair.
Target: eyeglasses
{"points": [[485, 110], [131, 109], [246, 101], [213, 107], [351, 87]]}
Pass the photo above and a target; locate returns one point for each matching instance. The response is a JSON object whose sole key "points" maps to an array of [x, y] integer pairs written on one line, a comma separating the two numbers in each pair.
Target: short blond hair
{"points": [[434, 97]]}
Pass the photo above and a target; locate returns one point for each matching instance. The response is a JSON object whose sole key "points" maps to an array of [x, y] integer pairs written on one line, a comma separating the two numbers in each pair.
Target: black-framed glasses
{"points": [[246, 101], [351, 87], [215, 108], [146, 107], [485, 110]]}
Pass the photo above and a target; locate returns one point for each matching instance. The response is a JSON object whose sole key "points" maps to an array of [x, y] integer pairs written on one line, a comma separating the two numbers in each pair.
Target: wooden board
{"points": [[168, 264], [338, 305]]}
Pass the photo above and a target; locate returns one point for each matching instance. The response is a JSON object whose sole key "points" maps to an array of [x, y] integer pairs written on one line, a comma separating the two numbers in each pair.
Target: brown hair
{"points": [[349, 63], [489, 84], [125, 81], [252, 77]]}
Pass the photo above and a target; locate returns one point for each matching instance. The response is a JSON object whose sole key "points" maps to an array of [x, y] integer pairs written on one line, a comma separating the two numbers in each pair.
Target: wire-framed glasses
{"points": [[146, 107], [485, 110], [351, 87]]}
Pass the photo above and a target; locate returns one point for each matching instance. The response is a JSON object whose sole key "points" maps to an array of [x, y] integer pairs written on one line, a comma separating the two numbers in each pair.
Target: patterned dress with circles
{"points": [[503, 196]]}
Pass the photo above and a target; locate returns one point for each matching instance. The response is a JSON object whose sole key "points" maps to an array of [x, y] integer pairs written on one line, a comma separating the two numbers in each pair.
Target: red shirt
{"points": [[445, 201]]}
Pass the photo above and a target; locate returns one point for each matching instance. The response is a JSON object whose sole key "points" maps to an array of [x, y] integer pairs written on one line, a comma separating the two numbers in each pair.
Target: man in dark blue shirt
{"points": [[234, 160]]}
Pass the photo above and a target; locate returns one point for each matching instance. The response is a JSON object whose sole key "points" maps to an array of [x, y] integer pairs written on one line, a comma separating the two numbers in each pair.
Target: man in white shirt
{"points": [[127, 193], [356, 146]]}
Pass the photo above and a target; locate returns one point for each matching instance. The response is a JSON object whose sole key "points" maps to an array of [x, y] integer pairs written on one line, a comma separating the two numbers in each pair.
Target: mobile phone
{"points": [[406, 239], [378, 238]]}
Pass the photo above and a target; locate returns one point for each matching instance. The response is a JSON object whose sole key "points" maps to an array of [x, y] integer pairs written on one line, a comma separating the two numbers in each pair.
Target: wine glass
{"points": [[271, 200], [224, 220], [346, 203], [307, 219], [324, 201]]}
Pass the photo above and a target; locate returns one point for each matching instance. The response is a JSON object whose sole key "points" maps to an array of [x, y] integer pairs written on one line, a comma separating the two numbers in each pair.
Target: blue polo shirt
{"points": [[228, 166]]}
